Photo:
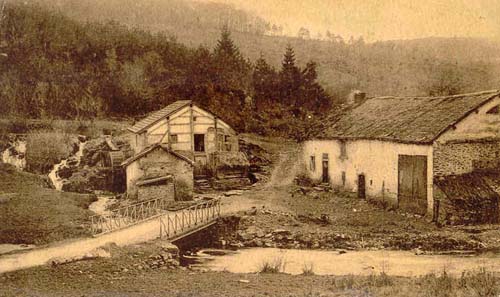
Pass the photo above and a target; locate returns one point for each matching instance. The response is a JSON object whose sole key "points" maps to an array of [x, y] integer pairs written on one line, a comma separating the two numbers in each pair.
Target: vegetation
{"points": [[54, 67], [276, 265], [46, 148], [37, 214]]}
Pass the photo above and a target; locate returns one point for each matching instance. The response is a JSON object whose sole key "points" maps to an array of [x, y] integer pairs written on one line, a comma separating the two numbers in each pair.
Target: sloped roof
{"points": [[158, 115], [405, 119], [151, 148]]}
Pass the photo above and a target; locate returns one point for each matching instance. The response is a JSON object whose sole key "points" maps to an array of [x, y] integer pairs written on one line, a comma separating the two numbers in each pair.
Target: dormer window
{"points": [[494, 110]]}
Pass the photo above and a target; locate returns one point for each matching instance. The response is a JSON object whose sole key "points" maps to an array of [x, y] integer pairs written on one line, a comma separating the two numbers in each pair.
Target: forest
{"points": [[57, 66]]}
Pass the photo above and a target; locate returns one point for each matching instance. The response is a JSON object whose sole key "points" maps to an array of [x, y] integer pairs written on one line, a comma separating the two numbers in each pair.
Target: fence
{"points": [[176, 224], [176, 221]]}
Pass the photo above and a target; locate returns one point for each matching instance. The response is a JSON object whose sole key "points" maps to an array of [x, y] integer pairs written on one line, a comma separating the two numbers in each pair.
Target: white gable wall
{"points": [[179, 123], [477, 125], [377, 160]]}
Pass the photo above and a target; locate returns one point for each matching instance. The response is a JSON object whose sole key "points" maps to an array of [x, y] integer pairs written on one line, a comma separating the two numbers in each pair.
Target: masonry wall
{"points": [[377, 160], [147, 192], [159, 163], [460, 157]]}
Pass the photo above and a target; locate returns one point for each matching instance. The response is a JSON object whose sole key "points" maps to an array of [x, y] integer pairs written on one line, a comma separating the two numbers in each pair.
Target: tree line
{"points": [[55, 67]]}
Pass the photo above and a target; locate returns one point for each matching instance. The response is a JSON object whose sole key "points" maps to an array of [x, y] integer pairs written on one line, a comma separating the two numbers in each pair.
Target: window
{"points": [[343, 178], [174, 138], [343, 150], [312, 163], [494, 110], [325, 156], [199, 142]]}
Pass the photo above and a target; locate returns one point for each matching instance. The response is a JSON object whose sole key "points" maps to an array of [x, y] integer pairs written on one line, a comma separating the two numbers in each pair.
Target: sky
{"points": [[381, 19]]}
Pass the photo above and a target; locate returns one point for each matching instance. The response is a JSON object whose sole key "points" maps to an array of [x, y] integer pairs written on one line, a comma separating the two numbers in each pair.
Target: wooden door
{"points": [[412, 183], [361, 186], [325, 177]]}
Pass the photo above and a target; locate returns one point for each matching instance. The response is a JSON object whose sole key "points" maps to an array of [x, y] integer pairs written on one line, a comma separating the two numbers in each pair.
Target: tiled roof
{"points": [[158, 115], [404, 119]]}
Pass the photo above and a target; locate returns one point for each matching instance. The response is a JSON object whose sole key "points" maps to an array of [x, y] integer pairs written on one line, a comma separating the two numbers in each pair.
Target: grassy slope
{"points": [[37, 214]]}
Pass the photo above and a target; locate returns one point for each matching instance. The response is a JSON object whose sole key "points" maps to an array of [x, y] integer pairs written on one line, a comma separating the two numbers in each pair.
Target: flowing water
{"points": [[16, 154], [396, 263], [54, 177]]}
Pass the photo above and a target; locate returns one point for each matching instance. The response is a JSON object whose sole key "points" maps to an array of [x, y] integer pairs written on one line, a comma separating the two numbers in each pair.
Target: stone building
{"points": [[396, 149], [157, 172]]}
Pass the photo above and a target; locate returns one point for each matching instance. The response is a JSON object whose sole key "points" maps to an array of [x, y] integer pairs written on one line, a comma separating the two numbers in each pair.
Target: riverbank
{"points": [[134, 271], [289, 217]]}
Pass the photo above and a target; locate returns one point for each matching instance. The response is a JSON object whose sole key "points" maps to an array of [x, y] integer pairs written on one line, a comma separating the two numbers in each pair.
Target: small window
{"points": [[325, 156], [312, 163], [199, 142], [174, 138], [343, 150], [194, 119], [343, 178], [494, 110]]}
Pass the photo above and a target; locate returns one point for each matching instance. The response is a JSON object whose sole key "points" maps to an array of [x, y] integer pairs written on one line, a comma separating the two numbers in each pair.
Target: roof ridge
{"points": [[440, 97]]}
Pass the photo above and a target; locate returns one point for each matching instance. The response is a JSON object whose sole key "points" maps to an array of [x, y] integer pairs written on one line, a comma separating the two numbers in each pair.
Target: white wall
{"points": [[179, 124], [377, 160], [477, 125]]}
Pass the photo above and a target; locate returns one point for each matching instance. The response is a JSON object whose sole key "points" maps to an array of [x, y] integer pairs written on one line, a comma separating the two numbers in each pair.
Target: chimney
{"points": [[356, 97]]}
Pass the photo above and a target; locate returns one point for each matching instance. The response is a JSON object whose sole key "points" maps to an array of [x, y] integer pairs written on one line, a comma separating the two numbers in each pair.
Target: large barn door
{"points": [[412, 186]]}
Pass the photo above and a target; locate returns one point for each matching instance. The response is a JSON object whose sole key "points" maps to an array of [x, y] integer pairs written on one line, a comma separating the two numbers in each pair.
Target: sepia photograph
{"points": [[244, 148]]}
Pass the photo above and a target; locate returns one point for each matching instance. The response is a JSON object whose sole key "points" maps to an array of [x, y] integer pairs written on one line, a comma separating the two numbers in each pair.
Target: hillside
{"points": [[404, 67]]}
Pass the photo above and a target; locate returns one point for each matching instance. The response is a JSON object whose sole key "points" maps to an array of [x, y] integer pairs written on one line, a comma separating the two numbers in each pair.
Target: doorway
{"points": [[325, 177], [412, 183], [361, 186]]}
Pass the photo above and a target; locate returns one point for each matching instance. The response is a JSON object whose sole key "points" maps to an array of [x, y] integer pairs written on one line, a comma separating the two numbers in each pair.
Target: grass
{"points": [[36, 214], [276, 265]]}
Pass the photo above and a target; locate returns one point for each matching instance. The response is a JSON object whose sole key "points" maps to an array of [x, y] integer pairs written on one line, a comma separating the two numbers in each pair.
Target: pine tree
{"points": [[290, 78], [264, 81]]}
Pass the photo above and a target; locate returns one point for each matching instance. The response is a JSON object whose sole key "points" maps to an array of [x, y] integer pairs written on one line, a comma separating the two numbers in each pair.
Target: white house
{"points": [[393, 148]]}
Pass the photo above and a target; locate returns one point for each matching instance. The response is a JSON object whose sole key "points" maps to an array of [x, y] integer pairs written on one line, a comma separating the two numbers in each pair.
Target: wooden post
{"points": [[191, 124]]}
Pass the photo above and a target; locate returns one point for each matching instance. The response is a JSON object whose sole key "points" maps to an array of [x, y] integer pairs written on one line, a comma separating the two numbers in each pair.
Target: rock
{"points": [[6, 198], [244, 281], [281, 231], [233, 193]]}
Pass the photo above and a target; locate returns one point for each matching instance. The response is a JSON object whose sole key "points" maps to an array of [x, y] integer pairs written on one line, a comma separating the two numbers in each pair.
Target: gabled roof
{"points": [[151, 148], [405, 119], [158, 115]]}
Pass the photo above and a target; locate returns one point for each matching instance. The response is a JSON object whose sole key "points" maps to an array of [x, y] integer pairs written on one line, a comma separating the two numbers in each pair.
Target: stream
{"points": [[395, 263], [16, 154], [74, 161]]}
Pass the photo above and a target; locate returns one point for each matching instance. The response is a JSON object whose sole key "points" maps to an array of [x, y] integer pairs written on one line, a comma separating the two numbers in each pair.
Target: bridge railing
{"points": [[177, 223], [128, 215], [171, 223]]}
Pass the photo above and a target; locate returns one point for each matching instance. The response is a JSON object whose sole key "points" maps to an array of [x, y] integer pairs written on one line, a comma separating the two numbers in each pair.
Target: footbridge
{"points": [[172, 225]]}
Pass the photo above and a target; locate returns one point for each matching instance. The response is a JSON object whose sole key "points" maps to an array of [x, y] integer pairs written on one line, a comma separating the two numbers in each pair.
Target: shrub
{"points": [[438, 286], [481, 283], [183, 192], [308, 269], [276, 265], [44, 149]]}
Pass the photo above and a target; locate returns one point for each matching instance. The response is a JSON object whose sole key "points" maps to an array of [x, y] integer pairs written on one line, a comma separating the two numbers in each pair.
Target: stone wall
{"points": [[160, 163], [147, 192], [455, 158]]}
